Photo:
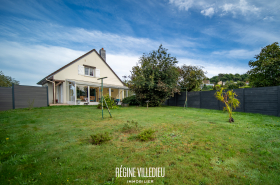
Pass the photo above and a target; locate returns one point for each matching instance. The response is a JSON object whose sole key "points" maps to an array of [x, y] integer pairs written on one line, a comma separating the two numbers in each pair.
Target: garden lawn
{"points": [[51, 145]]}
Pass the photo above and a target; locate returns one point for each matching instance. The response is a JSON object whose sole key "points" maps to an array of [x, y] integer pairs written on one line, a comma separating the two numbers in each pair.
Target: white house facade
{"points": [[77, 82]]}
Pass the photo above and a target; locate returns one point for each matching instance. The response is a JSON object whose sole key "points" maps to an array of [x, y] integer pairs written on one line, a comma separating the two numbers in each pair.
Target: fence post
{"points": [[47, 94], [278, 107], [243, 100], [13, 95]]}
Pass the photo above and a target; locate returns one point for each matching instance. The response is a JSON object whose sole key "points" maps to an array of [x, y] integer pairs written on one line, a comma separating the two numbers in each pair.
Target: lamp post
{"points": [[102, 93]]}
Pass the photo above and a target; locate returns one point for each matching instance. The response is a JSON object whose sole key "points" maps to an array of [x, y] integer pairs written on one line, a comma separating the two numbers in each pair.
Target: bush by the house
{"points": [[110, 102], [131, 100]]}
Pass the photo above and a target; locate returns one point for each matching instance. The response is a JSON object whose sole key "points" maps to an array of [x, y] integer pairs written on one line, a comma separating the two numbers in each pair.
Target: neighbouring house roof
{"points": [[206, 81], [50, 77]]}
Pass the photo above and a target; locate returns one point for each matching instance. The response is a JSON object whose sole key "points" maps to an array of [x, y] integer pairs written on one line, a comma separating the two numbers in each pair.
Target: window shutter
{"points": [[81, 70], [97, 73]]}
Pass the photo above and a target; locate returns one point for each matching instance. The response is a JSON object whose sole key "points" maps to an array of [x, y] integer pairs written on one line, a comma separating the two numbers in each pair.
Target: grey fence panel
{"points": [[6, 98], [172, 101], [25, 95], [208, 100], [180, 99], [194, 99], [262, 100], [240, 97]]}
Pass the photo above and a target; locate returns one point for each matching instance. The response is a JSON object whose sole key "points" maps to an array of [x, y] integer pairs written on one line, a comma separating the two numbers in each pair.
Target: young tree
{"points": [[155, 78], [191, 77], [230, 101], [266, 69], [7, 81]]}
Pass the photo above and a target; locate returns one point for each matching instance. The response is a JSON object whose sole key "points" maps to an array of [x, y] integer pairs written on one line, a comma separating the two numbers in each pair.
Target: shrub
{"points": [[30, 104], [207, 88], [100, 138], [146, 135], [240, 83], [110, 102], [217, 87], [131, 100], [231, 85], [128, 127]]}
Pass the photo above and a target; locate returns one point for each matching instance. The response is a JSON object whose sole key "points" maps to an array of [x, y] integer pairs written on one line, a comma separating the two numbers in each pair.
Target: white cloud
{"points": [[30, 63], [64, 36], [209, 7], [237, 53], [268, 18], [208, 12], [122, 64], [213, 68], [243, 7], [182, 4]]}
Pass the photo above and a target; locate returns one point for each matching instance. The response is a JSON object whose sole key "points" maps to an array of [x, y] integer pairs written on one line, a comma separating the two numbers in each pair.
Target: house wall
{"points": [[114, 94], [50, 89]]}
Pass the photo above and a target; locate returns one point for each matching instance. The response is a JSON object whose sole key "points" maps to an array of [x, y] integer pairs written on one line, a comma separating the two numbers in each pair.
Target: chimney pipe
{"points": [[102, 53]]}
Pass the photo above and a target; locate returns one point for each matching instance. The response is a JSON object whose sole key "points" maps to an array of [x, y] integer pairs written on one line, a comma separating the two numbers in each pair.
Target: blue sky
{"points": [[38, 37]]}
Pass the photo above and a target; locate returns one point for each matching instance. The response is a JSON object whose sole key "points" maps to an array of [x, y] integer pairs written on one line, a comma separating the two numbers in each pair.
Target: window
{"points": [[89, 71]]}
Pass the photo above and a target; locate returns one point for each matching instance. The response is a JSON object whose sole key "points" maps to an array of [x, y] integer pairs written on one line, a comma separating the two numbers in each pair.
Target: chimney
{"points": [[102, 53]]}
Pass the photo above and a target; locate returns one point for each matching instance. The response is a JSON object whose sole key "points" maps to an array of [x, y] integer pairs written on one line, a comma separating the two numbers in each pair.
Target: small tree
{"points": [[7, 81], [230, 101], [191, 77]]}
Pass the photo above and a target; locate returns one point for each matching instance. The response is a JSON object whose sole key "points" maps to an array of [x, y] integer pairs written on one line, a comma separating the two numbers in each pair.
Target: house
{"points": [[206, 81], [77, 82], [221, 82]]}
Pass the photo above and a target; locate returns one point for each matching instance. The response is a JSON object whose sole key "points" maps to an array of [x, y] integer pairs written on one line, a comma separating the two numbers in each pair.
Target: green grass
{"points": [[196, 146]]}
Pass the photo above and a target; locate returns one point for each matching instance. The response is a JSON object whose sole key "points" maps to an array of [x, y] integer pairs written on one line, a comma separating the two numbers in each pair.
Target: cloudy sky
{"points": [[38, 37]]}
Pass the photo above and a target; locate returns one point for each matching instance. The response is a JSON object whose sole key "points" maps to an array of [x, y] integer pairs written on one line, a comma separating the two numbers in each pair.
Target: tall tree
{"points": [[266, 69], [155, 77], [214, 79], [191, 77], [7, 81]]}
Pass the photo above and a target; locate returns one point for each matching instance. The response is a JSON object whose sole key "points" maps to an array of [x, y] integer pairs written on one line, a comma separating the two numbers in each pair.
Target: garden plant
{"points": [[230, 101]]}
